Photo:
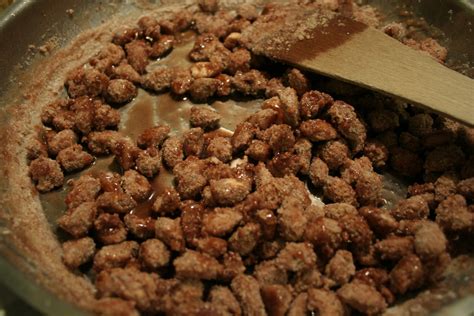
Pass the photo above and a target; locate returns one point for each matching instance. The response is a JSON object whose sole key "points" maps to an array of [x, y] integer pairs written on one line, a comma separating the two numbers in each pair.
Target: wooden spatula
{"points": [[342, 48]]}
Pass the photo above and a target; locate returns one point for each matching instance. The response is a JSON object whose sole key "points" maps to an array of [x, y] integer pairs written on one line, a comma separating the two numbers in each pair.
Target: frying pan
{"points": [[33, 34]]}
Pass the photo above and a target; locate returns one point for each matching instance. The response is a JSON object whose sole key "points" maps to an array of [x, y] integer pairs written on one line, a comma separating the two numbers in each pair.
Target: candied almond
{"points": [[46, 173], [74, 158], [296, 257], [169, 231], [325, 302], [407, 275], [345, 119], [158, 80], [84, 189], [137, 55], [394, 247], [277, 299], [167, 202], [78, 220], [223, 299], [221, 221], [136, 185], [78, 252], [193, 264], [153, 254], [245, 239], [362, 297], [247, 291], [116, 202], [228, 192], [129, 284], [121, 91], [110, 229], [317, 130], [115, 256], [204, 117], [341, 267], [314, 102]]}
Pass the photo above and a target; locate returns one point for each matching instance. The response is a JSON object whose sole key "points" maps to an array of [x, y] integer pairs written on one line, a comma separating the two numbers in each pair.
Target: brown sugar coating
{"points": [[252, 82], [102, 143], [407, 274], [283, 210], [466, 188], [221, 221], [126, 72], [314, 102], [153, 136], [110, 229], [337, 190], [204, 117], [341, 267], [74, 158], [414, 207], [46, 173], [334, 153], [59, 141], [377, 153], [35, 149], [78, 252], [116, 202], [162, 46], [247, 291], [149, 162], [379, 220], [114, 306], [115, 256], [317, 130], [453, 215], [280, 138], [197, 265], [153, 254], [226, 302], [296, 257], [109, 181], [125, 153], [121, 91], [167, 202], [221, 148], [140, 227], [394, 248], [170, 232], [84, 189], [84, 81], [172, 151], [193, 142], [79, 220], [212, 246], [277, 299], [243, 135], [228, 191], [324, 302], [203, 88], [129, 284], [136, 185], [345, 119], [430, 240], [363, 298], [137, 55], [158, 80], [244, 240]]}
